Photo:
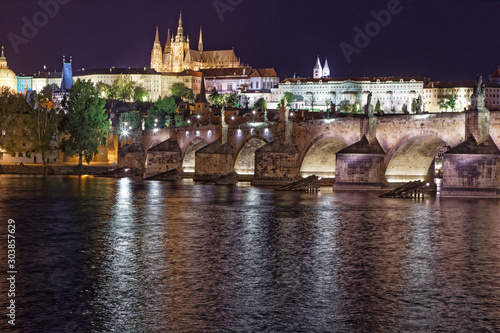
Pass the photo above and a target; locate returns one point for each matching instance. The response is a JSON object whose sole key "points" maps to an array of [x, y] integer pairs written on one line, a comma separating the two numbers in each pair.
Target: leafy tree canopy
{"points": [[85, 122], [40, 123], [160, 112], [180, 89]]}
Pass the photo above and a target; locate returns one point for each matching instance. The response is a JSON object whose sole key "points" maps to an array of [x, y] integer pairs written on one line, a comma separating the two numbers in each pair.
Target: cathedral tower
{"points": [[177, 56], [156, 54], [318, 70], [179, 48], [326, 69]]}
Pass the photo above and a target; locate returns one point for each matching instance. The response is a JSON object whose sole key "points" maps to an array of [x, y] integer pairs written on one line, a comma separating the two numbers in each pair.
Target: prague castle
{"points": [[177, 56]]}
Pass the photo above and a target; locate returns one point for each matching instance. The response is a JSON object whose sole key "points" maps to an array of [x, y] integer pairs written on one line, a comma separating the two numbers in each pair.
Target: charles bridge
{"points": [[360, 152]]}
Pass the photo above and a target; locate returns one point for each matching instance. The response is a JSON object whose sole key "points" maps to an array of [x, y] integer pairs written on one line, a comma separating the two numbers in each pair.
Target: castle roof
{"points": [[459, 84], [226, 72], [496, 75], [124, 71], [222, 56], [355, 79], [264, 72]]}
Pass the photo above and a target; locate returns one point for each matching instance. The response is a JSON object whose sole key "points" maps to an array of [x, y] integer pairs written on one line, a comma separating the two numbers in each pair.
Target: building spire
{"points": [[3, 60], [180, 30], [326, 69], [157, 38], [318, 70], [200, 43], [167, 45]]}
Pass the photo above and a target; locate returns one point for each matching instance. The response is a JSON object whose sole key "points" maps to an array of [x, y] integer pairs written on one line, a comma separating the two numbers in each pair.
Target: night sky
{"points": [[443, 39]]}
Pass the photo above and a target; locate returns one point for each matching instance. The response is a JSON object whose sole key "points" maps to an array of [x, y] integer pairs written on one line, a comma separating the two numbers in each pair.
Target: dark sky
{"points": [[443, 39]]}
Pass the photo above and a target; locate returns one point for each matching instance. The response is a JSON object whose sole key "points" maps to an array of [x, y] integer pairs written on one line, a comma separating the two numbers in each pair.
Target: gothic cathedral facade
{"points": [[177, 56]]}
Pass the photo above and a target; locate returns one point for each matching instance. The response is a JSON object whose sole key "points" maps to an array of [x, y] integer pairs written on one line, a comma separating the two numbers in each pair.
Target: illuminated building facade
{"points": [[8, 78], [177, 56]]}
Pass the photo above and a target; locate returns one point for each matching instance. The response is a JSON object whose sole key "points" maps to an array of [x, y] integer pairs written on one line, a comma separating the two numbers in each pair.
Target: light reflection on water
{"points": [[101, 255]]}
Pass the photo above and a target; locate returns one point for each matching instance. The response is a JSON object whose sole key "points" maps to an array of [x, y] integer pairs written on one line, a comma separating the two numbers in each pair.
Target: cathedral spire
{"points": [[200, 43], [3, 54], [318, 70], [156, 53], [180, 30], [326, 69], [157, 38], [167, 44]]}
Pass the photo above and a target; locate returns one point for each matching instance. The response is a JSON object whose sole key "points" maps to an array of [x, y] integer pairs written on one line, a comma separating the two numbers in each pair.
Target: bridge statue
{"points": [[284, 111], [223, 116], [223, 125], [419, 104], [369, 107], [479, 94]]}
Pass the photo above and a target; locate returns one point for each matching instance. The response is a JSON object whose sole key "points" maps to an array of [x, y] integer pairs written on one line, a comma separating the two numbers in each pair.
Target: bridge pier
{"points": [[213, 161], [360, 166], [276, 164], [472, 168], [163, 157]]}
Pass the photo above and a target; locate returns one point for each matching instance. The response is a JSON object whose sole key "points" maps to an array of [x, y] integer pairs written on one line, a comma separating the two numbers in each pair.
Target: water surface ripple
{"points": [[105, 255]]}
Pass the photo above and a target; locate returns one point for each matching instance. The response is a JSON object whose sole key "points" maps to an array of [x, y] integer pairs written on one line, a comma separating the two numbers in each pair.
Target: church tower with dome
{"points": [[8, 78]]}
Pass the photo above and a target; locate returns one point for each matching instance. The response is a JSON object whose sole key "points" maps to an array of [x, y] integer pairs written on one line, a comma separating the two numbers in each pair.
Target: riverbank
{"points": [[53, 169]]}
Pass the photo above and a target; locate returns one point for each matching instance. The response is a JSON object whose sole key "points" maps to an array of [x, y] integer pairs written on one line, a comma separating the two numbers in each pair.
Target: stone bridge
{"points": [[405, 144]]}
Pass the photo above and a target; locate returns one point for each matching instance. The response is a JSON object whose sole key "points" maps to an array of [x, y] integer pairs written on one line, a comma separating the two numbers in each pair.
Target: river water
{"points": [[106, 255]]}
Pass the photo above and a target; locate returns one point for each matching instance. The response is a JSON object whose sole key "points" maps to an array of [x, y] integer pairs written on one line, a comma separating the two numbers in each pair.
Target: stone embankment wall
{"points": [[50, 170]]}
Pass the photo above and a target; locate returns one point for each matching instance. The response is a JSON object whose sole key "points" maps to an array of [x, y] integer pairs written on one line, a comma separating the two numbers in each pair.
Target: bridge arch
{"points": [[320, 156], [412, 156], [244, 163], [189, 159]]}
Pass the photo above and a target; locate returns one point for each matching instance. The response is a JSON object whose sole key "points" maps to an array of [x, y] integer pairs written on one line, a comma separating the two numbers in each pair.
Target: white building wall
{"points": [[392, 95]]}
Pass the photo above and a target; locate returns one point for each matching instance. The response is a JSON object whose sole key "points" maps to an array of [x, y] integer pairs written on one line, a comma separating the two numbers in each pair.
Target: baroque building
{"points": [[7, 77], [319, 93], [177, 56]]}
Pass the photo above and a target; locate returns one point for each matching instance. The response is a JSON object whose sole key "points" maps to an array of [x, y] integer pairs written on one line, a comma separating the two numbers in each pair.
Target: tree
{"points": [[405, 108], [124, 88], [356, 108], [180, 89], [449, 102], [160, 112], [215, 98], [140, 94], [289, 97], [378, 107], [47, 91], [260, 104], [312, 99], [40, 124], [11, 107], [85, 122], [235, 99], [414, 105], [345, 106], [131, 120]]}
